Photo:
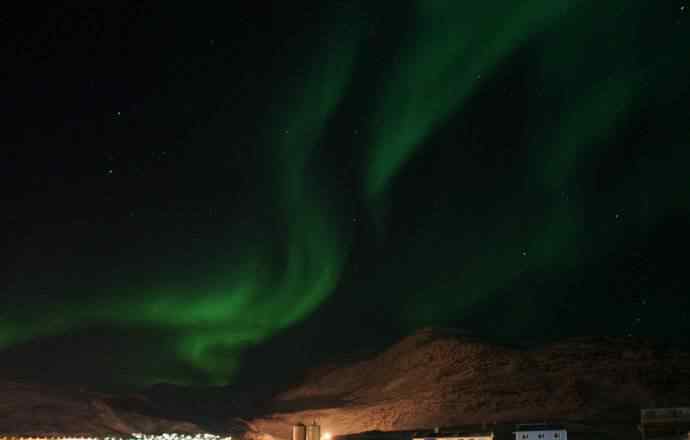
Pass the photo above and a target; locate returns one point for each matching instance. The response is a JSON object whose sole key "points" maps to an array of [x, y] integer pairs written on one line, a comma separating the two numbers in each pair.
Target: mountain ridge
{"points": [[441, 378], [434, 377]]}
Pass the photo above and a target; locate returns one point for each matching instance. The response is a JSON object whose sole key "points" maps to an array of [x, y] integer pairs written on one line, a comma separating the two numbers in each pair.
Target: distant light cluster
{"points": [[47, 437], [133, 436]]}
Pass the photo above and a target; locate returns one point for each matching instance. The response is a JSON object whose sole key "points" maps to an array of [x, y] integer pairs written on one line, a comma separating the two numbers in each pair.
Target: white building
{"points": [[454, 436], [540, 431], [664, 422]]}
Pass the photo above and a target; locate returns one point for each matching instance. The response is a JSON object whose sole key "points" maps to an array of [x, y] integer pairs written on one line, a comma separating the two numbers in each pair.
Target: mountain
{"points": [[431, 378], [33, 410], [440, 378]]}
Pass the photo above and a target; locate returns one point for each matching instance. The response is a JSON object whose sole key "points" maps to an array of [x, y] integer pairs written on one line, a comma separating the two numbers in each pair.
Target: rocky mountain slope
{"points": [[437, 378], [40, 410], [432, 378]]}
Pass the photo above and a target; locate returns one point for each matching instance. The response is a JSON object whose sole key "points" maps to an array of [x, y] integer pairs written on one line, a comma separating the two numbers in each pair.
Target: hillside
{"points": [[436, 378], [40, 410], [432, 378]]}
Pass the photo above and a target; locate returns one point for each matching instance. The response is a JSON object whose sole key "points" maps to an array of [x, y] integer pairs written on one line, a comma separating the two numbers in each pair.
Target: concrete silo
{"points": [[313, 432], [299, 432]]}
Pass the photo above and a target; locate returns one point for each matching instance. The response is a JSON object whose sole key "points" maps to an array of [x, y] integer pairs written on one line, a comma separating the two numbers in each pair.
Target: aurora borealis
{"points": [[185, 187]]}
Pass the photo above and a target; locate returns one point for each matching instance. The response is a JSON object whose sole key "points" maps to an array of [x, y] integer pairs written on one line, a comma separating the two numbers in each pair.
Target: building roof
{"points": [[448, 434], [651, 415], [470, 431], [539, 427]]}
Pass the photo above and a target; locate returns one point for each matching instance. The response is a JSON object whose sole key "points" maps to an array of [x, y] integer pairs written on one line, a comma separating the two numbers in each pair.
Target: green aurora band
{"points": [[208, 326], [452, 51], [453, 44], [456, 50]]}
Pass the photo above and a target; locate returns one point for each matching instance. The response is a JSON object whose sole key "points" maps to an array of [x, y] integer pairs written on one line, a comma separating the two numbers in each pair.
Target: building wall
{"points": [[541, 435]]}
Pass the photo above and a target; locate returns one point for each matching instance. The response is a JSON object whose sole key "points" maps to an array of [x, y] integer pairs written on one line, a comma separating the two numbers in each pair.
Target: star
{"points": [[110, 171], [524, 253]]}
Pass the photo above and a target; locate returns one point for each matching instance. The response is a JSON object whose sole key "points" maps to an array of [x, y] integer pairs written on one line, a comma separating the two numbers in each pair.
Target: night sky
{"points": [[193, 193]]}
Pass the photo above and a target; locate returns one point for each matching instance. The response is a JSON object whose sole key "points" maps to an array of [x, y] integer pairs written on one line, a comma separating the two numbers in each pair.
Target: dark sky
{"points": [[195, 193]]}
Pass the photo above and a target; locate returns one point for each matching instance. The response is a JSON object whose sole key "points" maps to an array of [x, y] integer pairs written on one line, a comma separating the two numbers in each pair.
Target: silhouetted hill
{"points": [[41, 410]]}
